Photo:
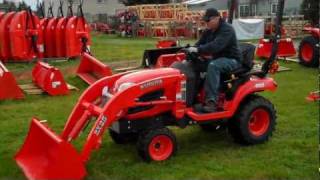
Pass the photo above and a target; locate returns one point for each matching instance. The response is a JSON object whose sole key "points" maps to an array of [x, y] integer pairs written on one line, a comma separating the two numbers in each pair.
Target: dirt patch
{"points": [[23, 76]]}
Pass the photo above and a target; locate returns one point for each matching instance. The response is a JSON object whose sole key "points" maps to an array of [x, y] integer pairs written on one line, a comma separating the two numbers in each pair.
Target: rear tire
{"points": [[309, 52], [254, 121], [157, 145]]}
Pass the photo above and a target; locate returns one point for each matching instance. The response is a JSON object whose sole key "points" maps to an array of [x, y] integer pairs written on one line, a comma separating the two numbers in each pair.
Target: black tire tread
{"points": [[315, 60], [146, 137], [237, 126]]}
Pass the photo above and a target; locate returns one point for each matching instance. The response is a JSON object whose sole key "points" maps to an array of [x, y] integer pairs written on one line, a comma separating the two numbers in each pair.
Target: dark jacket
{"points": [[221, 43]]}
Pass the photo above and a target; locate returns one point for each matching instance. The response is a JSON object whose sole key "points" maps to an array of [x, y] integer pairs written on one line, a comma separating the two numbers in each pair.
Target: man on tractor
{"points": [[220, 43]]}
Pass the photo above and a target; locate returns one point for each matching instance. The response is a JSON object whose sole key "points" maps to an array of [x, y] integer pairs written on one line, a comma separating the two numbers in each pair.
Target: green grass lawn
{"points": [[292, 153]]}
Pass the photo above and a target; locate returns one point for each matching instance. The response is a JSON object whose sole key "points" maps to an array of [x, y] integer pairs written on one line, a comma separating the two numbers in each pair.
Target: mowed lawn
{"points": [[292, 153]]}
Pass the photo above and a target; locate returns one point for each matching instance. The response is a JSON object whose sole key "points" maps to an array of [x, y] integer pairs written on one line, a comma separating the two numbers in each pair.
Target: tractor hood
{"points": [[145, 75]]}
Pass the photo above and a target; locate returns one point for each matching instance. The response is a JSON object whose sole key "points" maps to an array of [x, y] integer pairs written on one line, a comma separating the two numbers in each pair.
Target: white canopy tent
{"points": [[192, 2]]}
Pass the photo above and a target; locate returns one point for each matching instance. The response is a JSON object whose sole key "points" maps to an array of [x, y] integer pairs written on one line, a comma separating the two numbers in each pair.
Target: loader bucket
{"points": [[90, 69], [50, 79], [8, 85], [166, 60], [166, 44], [44, 155], [150, 56]]}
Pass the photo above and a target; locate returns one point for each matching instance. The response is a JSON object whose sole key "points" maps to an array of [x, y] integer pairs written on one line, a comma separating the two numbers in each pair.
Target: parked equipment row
{"points": [[24, 36]]}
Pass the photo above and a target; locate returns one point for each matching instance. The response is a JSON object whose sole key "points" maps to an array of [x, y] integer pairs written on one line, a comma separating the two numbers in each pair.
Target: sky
{"points": [[32, 3]]}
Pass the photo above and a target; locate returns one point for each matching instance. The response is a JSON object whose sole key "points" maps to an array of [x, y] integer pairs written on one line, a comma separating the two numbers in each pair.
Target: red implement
{"points": [[312, 30], [50, 47], [166, 43], [9, 88], [285, 49], [91, 69], [1, 16], [167, 60], [49, 79], [5, 36], [313, 96], [60, 35], [77, 31], [43, 26], [57, 158], [26, 37]]}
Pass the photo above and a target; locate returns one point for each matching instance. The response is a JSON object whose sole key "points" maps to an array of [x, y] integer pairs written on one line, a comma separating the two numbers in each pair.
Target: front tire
{"points": [[157, 145], [254, 122], [309, 52]]}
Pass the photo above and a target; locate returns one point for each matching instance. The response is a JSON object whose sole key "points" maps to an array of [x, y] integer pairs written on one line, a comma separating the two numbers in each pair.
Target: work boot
{"points": [[198, 108], [209, 107]]}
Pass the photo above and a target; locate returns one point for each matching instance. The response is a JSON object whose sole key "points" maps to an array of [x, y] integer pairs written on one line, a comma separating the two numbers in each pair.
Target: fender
{"points": [[250, 87], [255, 84]]}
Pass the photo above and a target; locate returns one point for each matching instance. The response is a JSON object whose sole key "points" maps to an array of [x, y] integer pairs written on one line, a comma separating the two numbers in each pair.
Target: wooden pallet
{"points": [[289, 59], [32, 89], [258, 67]]}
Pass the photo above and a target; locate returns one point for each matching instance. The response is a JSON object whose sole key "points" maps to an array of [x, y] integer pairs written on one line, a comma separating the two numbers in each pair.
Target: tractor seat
{"points": [[239, 71], [231, 81], [247, 52]]}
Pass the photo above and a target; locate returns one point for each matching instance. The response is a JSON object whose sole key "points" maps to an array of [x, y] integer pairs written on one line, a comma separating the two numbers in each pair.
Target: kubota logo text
{"points": [[151, 83], [100, 125]]}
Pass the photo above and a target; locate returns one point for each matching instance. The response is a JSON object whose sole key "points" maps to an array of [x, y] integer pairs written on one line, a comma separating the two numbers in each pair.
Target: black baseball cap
{"points": [[211, 12]]}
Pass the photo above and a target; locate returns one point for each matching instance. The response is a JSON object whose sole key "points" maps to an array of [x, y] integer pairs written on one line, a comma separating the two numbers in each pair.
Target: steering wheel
{"points": [[191, 56]]}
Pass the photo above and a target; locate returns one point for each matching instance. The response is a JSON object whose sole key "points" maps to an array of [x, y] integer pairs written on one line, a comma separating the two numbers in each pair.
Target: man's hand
{"points": [[192, 50]]}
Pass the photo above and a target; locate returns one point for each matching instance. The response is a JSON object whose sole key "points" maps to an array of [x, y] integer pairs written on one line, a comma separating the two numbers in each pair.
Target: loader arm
{"points": [[89, 96], [114, 109]]}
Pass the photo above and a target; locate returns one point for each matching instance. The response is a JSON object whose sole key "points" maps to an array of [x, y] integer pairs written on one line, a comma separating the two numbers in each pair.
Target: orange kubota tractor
{"points": [[142, 104]]}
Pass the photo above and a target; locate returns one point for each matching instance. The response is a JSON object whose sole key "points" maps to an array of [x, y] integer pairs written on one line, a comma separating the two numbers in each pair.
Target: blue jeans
{"points": [[214, 70]]}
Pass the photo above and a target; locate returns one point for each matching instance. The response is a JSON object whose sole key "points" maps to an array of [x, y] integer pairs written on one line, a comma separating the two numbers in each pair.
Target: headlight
{"points": [[125, 86]]}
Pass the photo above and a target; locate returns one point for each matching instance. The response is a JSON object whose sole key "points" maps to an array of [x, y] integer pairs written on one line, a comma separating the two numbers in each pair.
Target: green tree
{"points": [[310, 10], [11, 6], [23, 5]]}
